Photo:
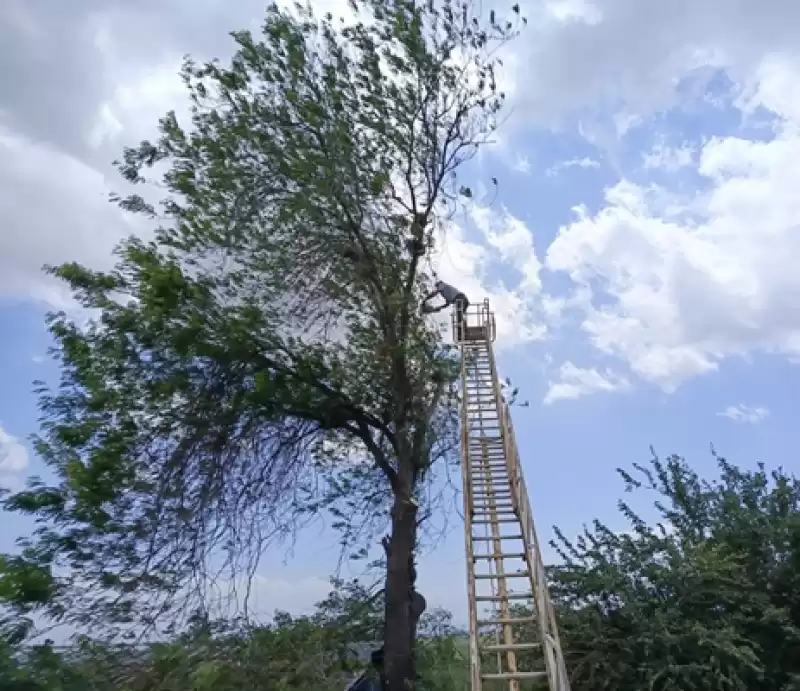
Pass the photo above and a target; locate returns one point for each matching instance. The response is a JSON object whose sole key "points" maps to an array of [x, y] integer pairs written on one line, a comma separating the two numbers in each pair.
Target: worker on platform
{"points": [[452, 296]]}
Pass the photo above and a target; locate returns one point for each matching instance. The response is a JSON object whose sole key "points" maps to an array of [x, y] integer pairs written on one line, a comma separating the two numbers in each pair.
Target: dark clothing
{"points": [[365, 683], [461, 303], [448, 292]]}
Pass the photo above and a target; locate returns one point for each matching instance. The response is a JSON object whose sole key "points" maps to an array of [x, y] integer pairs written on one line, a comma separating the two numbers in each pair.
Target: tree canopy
{"points": [[239, 367], [706, 596]]}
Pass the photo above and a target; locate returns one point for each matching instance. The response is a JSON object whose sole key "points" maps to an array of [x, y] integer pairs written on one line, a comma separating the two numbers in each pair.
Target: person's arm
{"points": [[427, 309]]}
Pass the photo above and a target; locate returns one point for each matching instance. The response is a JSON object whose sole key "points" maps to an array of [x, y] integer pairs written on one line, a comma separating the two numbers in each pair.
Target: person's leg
{"points": [[461, 303]]}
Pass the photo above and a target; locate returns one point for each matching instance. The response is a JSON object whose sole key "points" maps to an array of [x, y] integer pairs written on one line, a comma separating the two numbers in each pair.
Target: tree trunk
{"points": [[400, 620]]}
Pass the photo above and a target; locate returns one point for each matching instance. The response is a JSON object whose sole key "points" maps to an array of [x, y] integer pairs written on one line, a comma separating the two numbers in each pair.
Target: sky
{"points": [[641, 251]]}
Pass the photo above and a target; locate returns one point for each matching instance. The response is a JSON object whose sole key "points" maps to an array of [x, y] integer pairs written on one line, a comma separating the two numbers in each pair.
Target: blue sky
{"points": [[641, 253]]}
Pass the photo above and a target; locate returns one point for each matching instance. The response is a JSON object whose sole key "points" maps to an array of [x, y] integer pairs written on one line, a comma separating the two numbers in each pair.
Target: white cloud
{"points": [[669, 158], [464, 264], [13, 460], [745, 414], [55, 209], [584, 163], [513, 241], [624, 55], [676, 295], [574, 382], [522, 165]]}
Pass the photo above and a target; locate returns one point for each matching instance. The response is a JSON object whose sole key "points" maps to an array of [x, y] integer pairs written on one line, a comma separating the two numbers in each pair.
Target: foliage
{"points": [[320, 652], [707, 597]]}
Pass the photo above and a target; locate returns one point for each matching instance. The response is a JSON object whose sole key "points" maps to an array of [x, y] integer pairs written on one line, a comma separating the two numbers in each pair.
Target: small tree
{"points": [[271, 329], [707, 596]]}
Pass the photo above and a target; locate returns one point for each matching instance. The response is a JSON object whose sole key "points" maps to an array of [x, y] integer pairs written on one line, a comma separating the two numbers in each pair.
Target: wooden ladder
{"points": [[510, 647]]}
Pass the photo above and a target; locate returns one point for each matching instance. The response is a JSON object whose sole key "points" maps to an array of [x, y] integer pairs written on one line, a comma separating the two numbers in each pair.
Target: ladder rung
{"points": [[503, 647], [500, 555], [500, 598], [492, 514], [510, 621], [503, 676], [496, 520], [481, 538], [497, 576]]}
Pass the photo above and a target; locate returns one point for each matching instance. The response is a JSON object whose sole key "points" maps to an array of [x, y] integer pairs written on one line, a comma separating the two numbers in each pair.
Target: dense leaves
{"points": [[707, 597], [320, 652]]}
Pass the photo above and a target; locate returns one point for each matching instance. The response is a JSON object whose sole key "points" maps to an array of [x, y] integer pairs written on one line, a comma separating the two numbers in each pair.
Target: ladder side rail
{"points": [[547, 623], [466, 475]]}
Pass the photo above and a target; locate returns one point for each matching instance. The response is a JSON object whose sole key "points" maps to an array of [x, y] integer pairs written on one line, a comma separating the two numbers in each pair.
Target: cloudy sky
{"points": [[642, 253]]}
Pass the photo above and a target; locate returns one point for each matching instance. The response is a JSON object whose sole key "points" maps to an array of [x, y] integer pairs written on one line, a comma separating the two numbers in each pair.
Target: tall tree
{"points": [[706, 596], [272, 327]]}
